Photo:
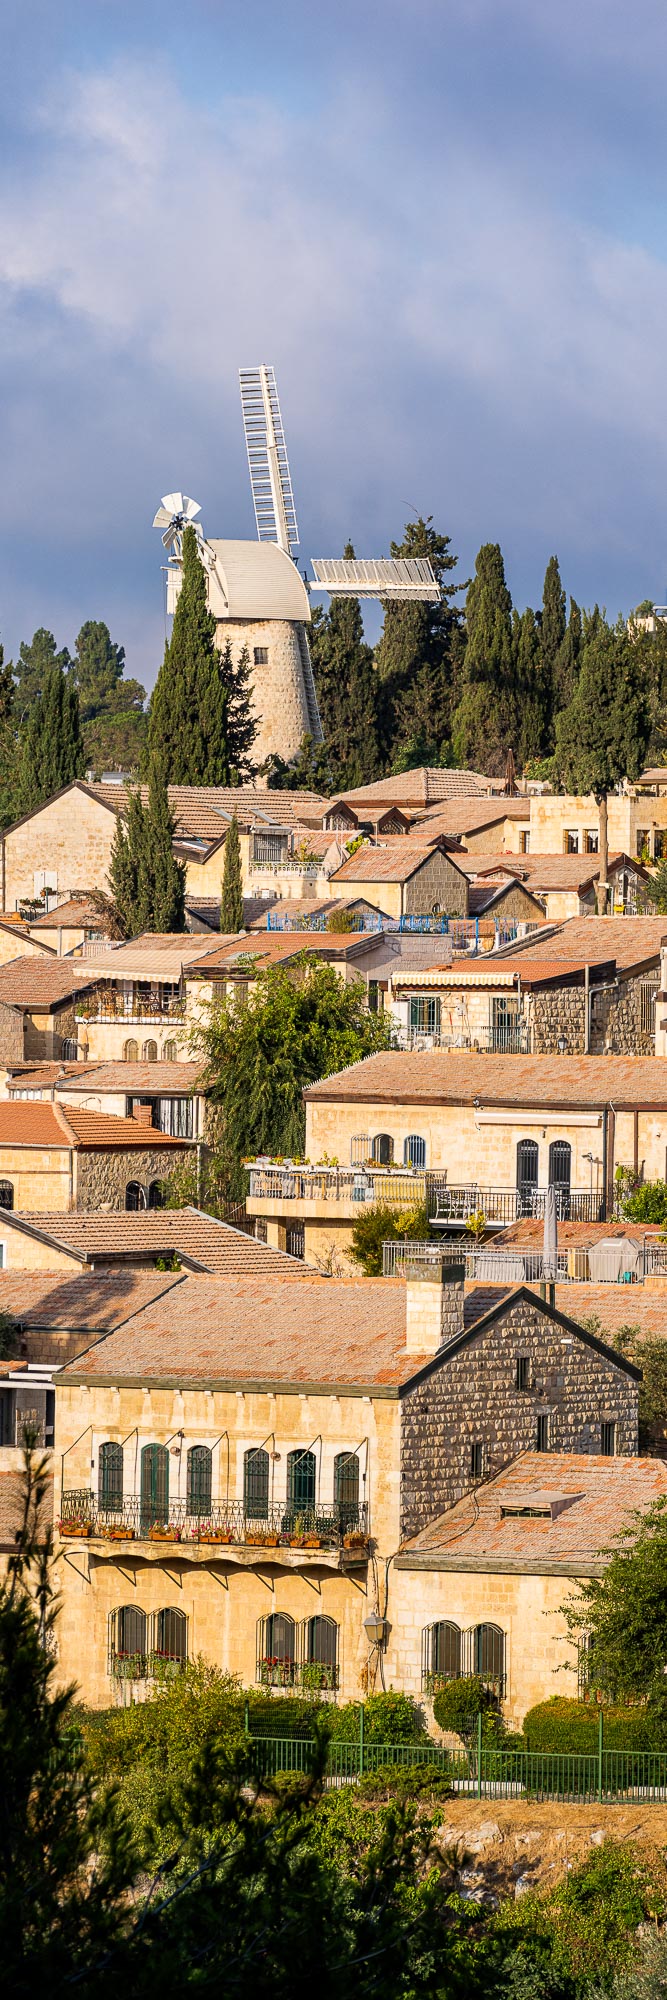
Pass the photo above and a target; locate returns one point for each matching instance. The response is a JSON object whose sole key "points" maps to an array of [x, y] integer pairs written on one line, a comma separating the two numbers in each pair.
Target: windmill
{"points": [[257, 596]]}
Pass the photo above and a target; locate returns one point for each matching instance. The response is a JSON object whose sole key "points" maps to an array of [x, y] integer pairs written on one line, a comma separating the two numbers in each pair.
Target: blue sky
{"points": [[444, 223]]}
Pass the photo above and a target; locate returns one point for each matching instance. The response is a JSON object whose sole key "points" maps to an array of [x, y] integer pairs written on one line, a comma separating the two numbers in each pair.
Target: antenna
{"points": [[270, 478]]}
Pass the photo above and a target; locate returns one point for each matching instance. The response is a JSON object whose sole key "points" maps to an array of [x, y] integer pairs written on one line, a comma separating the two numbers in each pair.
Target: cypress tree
{"points": [[187, 727], [346, 691], [602, 736], [413, 658], [552, 634], [51, 749], [147, 882], [532, 688], [231, 902], [242, 723], [568, 660], [487, 722], [8, 770]]}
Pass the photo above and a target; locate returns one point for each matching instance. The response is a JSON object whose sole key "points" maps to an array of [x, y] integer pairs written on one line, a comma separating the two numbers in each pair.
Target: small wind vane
{"points": [[175, 513]]}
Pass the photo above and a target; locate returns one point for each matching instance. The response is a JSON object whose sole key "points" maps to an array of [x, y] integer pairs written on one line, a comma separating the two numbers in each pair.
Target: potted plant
{"points": [[312, 1541], [355, 1539], [164, 1531], [75, 1526]]}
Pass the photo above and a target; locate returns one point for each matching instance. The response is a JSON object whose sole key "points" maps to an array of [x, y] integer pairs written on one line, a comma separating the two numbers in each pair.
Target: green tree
{"points": [[51, 752], [147, 882], [310, 772], [601, 737], [414, 659], [567, 663], [8, 748], [487, 722], [532, 686], [231, 902], [624, 1612], [187, 726], [656, 888], [346, 691], [552, 637], [296, 1025], [379, 1223], [112, 708], [35, 661], [242, 722]]}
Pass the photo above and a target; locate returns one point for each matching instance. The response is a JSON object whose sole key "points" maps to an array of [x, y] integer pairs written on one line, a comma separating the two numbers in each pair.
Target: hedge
{"points": [[572, 1727]]}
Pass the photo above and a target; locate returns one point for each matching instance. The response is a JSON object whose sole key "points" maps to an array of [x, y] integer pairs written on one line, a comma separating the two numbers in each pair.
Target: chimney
{"points": [[142, 1114], [434, 1306]]}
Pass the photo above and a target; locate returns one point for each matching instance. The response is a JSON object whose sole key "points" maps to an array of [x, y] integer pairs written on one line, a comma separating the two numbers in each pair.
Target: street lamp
{"points": [[376, 1627]]}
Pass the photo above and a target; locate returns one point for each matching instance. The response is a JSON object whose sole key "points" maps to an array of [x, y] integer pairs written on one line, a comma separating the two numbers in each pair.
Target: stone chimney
{"points": [[434, 1306], [143, 1114]]}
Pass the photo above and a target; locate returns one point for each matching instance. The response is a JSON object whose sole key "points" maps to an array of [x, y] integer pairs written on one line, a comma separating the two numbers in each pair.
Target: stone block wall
{"points": [[554, 1015], [11, 1034], [616, 1028], [102, 1177], [472, 1398]]}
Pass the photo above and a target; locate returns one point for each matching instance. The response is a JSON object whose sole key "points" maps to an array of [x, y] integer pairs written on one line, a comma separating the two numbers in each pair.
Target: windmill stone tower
{"points": [[255, 591]]}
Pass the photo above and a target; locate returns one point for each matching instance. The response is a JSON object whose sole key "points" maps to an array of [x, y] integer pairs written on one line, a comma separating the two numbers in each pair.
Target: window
{"points": [[199, 1476], [591, 840], [175, 1115], [320, 1653], [560, 1165], [476, 1460], [270, 848], [643, 842], [276, 1650], [6, 1194], [301, 1477], [295, 1239], [441, 1654], [527, 1157], [157, 1195], [608, 1438], [571, 840], [659, 844], [135, 1196], [489, 1655], [375, 997], [524, 841], [424, 1014], [154, 1485], [110, 1476], [523, 1371], [168, 1051], [346, 1489], [69, 1050], [128, 1641], [647, 998], [584, 1663], [382, 1150], [171, 1636], [543, 1439], [414, 1151], [256, 1484], [130, 1051], [149, 1052], [261, 656]]}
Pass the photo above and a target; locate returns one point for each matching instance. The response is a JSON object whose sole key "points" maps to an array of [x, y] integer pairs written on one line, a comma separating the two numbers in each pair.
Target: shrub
{"points": [[388, 1718], [572, 1727], [383, 1224], [458, 1704]]}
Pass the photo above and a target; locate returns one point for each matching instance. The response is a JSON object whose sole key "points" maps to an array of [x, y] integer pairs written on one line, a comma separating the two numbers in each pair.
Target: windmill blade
{"points": [[163, 517], [377, 576], [270, 478], [189, 507]]}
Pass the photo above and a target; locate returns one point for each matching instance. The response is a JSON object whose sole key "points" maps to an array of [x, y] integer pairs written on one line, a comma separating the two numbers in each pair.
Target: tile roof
{"points": [[462, 816], [421, 787], [394, 861], [437, 1076], [40, 984], [45, 1124], [204, 811], [589, 940], [612, 1306], [153, 955], [544, 871], [601, 1492], [155, 1079], [530, 1231], [94, 1302], [73, 914], [272, 947], [215, 1246]]}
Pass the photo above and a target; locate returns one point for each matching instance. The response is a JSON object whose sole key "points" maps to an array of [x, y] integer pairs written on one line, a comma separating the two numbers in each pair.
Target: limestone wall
{"points": [[279, 694], [474, 1397], [540, 1660], [11, 1034], [473, 1145], [71, 837], [102, 1178]]}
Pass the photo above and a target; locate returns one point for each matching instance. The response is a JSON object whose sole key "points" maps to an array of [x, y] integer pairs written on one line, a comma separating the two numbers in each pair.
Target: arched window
{"points": [[154, 1485], [168, 1051], [130, 1051], [320, 1653], [6, 1194], [149, 1052], [128, 1641], [526, 1174], [135, 1196], [560, 1169], [441, 1654], [382, 1149], [489, 1656], [157, 1197], [200, 1466], [256, 1484], [171, 1636], [414, 1151], [346, 1489], [69, 1050], [276, 1650], [301, 1480], [110, 1476]]}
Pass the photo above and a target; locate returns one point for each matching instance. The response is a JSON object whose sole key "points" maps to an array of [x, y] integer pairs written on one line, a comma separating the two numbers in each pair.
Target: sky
{"points": [[443, 221]]}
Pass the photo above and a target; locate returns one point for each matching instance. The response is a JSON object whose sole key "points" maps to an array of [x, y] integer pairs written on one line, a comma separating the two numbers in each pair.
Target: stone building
{"points": [[241, 1457], [405, 877], [167, 1090], [39, 998], [563, 884], [56, 1159]]}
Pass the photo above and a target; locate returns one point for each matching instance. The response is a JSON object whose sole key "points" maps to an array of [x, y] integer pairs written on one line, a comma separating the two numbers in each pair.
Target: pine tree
{"points": [[147, 882], [602, 736], [231, 902], [413, 659], [187, 727], [34, 662], [112, 707], [51, 749], [346, 691], [242, 722], [487, 722], [98, 668]]}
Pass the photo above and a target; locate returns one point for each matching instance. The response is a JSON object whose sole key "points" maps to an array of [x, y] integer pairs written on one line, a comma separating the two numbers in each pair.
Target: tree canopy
{"points": [[346, 691], [51, 750], [487, 720], [231, 901], [147, 882], [187, 726]]}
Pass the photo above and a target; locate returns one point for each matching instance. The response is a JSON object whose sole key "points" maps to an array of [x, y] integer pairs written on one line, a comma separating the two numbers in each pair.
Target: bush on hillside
{"points": [[388, 1718], [572, 1727]]}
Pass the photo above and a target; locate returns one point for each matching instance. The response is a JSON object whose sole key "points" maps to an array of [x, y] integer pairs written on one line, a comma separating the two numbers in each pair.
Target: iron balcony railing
{"points": [[130, 1007], [513, 1264], [337, 1524], [270, 1182], [454, 1206], [484, 1041]]}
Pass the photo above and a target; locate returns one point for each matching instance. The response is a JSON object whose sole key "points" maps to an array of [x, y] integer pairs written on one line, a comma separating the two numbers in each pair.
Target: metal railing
{"points": [[483, 1041], [449, 1205], [508, 1264], [121, 1007], [602, 1777], [338, 1524], [363, 1183]]}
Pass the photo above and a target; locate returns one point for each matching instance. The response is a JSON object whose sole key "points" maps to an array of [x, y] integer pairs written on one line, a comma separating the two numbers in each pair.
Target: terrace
{"points": [[133, 1001], [287, 1188], [337, 1532]]}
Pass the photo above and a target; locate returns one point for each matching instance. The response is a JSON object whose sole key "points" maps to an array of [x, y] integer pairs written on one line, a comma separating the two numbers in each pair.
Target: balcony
{"points": [[130, 1007], [288, 1182], [507, 1264], [336, 1531], [454, 1207], [513, 1041]]}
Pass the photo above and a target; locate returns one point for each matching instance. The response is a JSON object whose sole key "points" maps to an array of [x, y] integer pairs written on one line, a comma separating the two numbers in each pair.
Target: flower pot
{"points": [[168, 1534], [312, 1542], [218, 1535], [354, 1541], [271, 1541], [77, 1528]]}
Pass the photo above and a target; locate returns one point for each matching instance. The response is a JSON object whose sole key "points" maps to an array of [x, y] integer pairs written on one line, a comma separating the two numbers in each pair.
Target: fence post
{"points": [[246, 1718], [600, 1749], [361, 1739], [479, 1755]]}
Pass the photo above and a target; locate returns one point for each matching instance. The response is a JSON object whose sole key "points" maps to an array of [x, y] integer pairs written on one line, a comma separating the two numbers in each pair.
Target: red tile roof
{"points": [[92, 1303], [159, 1079], [394, 861], [590, 940], [45, 1124], [90, 1237], [601, 1493], [437, 1076], [39, 984]]}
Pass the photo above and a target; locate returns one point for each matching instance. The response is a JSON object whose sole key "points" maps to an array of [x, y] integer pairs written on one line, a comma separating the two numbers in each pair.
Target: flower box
{"points": [[77, 1528], [164, 1534], [355, 1540], [218, 1535], [312, 1541]]}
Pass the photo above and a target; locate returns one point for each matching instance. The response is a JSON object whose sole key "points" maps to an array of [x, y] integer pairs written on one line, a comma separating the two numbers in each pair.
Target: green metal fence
{"points": [[604, 1777]]}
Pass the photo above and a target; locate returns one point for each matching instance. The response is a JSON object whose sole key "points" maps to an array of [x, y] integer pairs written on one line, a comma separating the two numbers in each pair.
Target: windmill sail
{"points": [[270, 478], [377, 576]]}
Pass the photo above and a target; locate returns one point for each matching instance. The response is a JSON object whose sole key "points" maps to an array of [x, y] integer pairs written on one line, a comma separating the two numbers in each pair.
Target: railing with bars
{"points": [[449, 1205], [516, 1265], [287, 1182], [338, 1524], [484, 1041], [120, 1007]]}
